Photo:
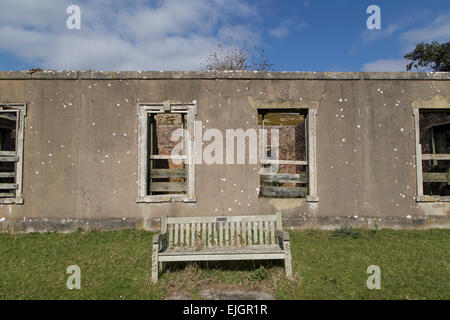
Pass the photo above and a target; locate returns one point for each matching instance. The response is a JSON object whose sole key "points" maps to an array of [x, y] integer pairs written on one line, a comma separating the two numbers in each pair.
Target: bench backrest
{"points": [[221, 230]]}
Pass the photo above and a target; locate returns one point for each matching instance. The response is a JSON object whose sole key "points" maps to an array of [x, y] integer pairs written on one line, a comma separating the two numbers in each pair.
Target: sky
{"points": [[301, 35]]}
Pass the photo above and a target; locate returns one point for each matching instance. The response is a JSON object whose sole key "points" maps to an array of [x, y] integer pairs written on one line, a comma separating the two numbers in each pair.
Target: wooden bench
{"points": [[220, 238]]}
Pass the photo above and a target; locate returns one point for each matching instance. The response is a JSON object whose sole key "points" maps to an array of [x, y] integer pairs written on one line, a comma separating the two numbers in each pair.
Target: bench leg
{"points": [[287, 260], [155, 264]]}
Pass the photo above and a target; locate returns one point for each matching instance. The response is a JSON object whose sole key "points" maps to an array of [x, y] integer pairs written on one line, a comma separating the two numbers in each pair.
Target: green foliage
{"points": [[346, 232], [232, 57], [259, 274], [432, 56], [34, 70]]}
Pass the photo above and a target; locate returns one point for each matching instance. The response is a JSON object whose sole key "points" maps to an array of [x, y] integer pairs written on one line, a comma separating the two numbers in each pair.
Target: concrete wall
{"points": [[80, 148]]}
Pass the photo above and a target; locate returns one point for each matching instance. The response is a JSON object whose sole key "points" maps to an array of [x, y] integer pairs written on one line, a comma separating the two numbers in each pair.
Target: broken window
{"points": [[434, 146], [166, 172], [287, 153], [11, 152]]}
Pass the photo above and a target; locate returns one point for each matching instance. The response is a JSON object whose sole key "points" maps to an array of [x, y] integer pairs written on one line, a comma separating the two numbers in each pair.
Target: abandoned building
{"points": [[96, 150]]}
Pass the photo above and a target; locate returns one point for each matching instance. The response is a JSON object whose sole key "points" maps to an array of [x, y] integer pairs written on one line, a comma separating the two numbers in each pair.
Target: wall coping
{"points": [[243, 75], [259, 75]]}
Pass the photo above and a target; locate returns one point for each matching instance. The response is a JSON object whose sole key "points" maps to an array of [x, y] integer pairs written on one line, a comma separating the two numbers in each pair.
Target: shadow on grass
{"points": [[189, 278], [249, 266]]}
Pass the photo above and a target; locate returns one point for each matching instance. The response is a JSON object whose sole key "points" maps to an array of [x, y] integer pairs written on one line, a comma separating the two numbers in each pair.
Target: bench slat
{"points": [[188, 235], [227, 243], [261, 236], [221, 234], [232, 243], [171, 220], [266, 232], [222, 257], [192, 234], [272, 232], [209, 235], [182, 234], [170, 235], [203, 233], [215, 238], [217, 235], [222, 250], [238, 234], [199, 232], [176, 235], [256, 252]]}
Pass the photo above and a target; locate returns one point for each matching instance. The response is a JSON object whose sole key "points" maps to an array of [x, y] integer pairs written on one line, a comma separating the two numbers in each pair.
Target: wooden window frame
{"points": [[144, 110], [21, 110], [311, 153], [420, 197]]}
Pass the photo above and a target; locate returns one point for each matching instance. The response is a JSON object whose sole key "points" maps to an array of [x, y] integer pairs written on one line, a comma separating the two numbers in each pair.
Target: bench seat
{"points": [[257, 237], [222, 253]]}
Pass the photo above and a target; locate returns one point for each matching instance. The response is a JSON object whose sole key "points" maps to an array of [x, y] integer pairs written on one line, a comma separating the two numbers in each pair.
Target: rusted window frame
{"points": [[21, 110], [144, 109], [311, 152], [420, 197]]}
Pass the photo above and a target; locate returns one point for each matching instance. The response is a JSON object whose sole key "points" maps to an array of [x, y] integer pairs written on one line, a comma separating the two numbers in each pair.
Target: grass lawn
{"points": [[117, 264]]}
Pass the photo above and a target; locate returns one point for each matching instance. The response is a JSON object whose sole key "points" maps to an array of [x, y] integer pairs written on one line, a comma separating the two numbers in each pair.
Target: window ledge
{"points": [[11, 200], [166, 198], [426, 198], [312, 199]]}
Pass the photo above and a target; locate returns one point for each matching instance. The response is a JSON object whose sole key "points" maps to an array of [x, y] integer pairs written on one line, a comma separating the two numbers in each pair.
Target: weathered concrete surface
{"points": [[80, 148], [26, 225]]}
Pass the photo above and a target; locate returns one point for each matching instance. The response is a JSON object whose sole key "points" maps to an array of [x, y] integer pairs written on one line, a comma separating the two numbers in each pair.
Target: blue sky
{"points": [[302, 35]]}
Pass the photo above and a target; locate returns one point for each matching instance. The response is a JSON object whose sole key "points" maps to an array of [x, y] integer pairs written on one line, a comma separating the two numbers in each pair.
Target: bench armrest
{"points": [[282, 236], [160, 239]]}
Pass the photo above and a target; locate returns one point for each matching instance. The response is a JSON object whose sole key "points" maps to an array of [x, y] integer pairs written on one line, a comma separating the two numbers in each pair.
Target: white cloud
{"points": [[437, 30], [285, 28], [368, 36], [386, 65], [241, 35], [123, 35], [280, 32], [392, 32]]}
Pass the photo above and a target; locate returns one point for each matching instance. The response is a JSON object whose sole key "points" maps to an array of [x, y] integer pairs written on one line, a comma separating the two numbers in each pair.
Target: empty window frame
{"points": [[11, 152], [288, 167], [432, 154], [166, 174]]}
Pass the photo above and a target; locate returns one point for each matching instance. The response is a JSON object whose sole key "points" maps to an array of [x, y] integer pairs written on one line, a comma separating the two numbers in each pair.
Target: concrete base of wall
{"points": [[26, 225], [397, 223]]}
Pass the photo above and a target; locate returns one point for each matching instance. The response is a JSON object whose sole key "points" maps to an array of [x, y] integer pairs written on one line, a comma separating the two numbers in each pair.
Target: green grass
{"points": [[116, 265]]}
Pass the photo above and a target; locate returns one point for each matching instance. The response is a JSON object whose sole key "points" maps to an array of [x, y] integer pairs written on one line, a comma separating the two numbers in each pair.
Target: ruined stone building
{"points": [[97, 150]]}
